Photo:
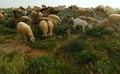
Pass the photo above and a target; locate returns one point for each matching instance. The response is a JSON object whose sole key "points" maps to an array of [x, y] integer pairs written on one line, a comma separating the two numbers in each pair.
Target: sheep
{"points": [[52, 10], [85, 11], [50, 27], [40, 14], [80, 22], [1, 16], [113, 18], [43, 27], [44, 6], [25, 19], [26, 31], [73, 7], [36, 14], [90, 20], [56, 18], [101, 8], [35, 18]]}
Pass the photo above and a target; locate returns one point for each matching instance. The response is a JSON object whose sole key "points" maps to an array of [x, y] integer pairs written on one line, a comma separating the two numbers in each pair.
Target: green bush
{"points": [[74, 45], [85, 57], [98, 32], [61, 29]]}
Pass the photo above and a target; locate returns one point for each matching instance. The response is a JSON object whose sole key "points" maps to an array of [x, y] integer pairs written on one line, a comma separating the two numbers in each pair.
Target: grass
{"points": [[13, 63], [49, 65], [6, 31], [94, 52], [43, 45]]}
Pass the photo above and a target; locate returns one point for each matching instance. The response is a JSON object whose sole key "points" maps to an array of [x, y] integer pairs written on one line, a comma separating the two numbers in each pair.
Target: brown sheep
{"points": [[35, 18], [25, 19], [84, 11], [1, 16], [101, 8], [90, 20]]}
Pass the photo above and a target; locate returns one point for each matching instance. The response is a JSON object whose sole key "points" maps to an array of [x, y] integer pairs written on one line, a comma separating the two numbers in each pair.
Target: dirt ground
{"points": [[19, 45]]}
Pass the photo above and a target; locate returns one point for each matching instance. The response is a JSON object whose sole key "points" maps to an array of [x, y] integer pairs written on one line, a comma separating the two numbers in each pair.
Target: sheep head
{"points": [[32, 39]]}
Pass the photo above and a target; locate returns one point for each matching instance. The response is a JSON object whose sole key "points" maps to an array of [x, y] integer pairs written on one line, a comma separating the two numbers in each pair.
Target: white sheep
{"points": [[26, 31], [113, 18], [90, 20], [43, 27], [80, 22]]}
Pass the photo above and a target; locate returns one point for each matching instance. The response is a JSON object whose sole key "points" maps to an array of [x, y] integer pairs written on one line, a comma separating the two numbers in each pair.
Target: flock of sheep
{"points": [[31, 16]]}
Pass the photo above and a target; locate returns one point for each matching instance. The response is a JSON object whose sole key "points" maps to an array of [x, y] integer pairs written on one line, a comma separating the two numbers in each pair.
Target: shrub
{"points": [[74, 45], [85, 57], [61, 29], [98, 32]]}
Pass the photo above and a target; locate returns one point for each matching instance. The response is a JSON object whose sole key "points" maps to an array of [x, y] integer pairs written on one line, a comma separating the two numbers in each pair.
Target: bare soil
{"points": [[19, 45]]}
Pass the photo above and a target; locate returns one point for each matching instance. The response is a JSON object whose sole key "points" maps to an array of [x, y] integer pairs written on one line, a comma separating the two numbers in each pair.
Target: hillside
{"points": [[68, 51]]}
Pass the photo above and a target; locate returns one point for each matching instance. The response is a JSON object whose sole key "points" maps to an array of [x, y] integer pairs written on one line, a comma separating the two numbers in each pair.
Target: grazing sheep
{"points": [[56, 19], [1, 16], [28, 9], [44, 6], [40, 14], [102, 8], [25, 30], [73, 7], [52, 10], [25, 19], [85, 11], [113, 18], [80, 22], [35, 17], [90, 20], [50, 27], [43, 27]]}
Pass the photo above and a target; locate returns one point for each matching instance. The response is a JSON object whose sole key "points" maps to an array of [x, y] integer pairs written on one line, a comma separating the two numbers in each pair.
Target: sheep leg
{"points": [[44, 35], [83, 28], [90, 26], [51, 34]]}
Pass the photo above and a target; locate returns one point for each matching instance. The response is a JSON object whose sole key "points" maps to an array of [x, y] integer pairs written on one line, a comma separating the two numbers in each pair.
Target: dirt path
{"points": [[18, 45]]}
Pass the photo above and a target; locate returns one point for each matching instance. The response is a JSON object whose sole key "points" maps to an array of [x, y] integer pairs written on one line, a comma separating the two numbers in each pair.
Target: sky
{"points": [[80, 3]]}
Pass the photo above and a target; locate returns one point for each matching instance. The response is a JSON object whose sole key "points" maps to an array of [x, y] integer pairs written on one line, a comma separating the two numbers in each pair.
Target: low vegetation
{"points": [[97, 51]]}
